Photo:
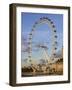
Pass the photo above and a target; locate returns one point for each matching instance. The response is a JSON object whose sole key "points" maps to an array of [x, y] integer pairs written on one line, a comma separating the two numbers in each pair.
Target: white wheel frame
{"points": [[53, 38]]}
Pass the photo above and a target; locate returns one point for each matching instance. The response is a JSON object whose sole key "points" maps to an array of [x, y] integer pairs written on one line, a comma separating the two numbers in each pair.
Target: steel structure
{"points": [[49, 22]]}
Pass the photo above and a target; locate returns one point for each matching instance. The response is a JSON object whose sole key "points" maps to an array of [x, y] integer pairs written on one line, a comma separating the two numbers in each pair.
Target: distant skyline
{"points": [[42, 32]]}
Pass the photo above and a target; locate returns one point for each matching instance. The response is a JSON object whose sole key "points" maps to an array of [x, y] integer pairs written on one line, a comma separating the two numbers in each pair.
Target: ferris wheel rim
{"points": [[53, 28]]}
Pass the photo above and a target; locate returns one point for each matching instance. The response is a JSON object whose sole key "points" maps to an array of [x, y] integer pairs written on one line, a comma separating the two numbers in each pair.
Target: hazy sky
{"points": [[42, 32]]}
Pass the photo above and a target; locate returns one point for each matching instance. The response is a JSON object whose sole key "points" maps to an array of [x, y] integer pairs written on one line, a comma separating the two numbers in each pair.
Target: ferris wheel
{"points": [[53, 41]]}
